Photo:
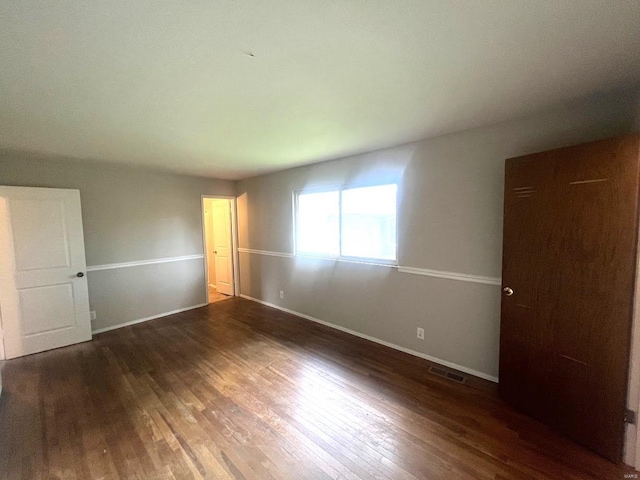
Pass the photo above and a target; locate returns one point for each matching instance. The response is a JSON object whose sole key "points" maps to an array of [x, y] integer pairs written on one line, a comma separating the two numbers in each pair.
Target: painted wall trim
{"points": [[439, 361], [146, 319], [317, 257], [462, 277], [266, 252], [111, 266]]}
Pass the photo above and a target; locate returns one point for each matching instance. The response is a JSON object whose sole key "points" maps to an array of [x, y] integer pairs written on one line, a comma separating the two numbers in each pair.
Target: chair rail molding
{"points": [[111, 266], [427, 272]]}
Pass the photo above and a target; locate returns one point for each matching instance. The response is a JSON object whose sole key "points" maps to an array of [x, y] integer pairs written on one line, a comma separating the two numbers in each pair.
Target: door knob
{"points": [[508, 291], [80, 274], [215, 251]]}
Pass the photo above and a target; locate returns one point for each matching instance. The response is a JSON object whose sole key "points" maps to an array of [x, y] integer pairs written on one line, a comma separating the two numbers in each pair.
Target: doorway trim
{"points": [[234, 242], [632, 432]]}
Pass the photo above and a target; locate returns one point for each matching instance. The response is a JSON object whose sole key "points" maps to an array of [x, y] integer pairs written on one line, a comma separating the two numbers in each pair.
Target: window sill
{"points": [[363, 261]]}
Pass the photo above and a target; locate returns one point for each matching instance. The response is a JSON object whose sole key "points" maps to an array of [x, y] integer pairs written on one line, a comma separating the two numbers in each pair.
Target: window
{"points": [[357, 223], [318, 223]]}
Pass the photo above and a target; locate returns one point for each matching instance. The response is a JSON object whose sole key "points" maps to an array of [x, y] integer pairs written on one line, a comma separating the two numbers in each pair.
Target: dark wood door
{"points": [[569, 260]]}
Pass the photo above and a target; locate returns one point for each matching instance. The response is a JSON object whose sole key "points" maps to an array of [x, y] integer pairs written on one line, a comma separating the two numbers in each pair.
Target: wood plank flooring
{"points": [[215, 296], [239, 390]]}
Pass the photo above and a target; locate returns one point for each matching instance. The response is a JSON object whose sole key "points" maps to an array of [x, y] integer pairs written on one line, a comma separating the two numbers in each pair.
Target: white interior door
{"points": [[209, 242], [43, 287], [221, 214]]}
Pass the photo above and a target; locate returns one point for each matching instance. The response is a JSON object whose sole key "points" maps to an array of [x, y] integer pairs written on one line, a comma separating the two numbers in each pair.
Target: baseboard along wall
{"points": [[424, 356]]}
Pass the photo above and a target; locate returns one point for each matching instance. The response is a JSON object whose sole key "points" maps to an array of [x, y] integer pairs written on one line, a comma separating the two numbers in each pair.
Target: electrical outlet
{"points": [[281, 294], [92, 313], [420, 333]]}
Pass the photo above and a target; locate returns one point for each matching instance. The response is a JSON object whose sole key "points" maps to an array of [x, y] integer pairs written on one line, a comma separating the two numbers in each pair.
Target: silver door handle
{"points": [[508, 291]]}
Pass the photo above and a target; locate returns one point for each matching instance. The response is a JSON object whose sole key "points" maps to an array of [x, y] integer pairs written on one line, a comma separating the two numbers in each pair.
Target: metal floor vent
{"points": [[441, 372]]}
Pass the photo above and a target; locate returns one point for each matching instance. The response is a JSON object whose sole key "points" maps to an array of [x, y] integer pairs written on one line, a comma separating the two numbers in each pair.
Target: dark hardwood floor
{"points": [[239, 390]]}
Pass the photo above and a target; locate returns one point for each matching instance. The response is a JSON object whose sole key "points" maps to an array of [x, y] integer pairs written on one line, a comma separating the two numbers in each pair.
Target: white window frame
{"points": [[339, 189]]}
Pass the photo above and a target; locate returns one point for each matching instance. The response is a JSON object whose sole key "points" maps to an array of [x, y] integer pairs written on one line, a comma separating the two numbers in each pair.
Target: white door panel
{"points": [[222, 272], [39, 234], [44, 303], [222, 243], [59, 311]]}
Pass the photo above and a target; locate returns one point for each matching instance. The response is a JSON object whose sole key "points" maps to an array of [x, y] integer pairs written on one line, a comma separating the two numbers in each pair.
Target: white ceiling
{"points": [[169, 84]]}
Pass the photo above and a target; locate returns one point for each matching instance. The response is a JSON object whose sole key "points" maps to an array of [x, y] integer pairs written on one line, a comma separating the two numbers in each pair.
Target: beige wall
{"points": [[450, 220], [129, 215]]}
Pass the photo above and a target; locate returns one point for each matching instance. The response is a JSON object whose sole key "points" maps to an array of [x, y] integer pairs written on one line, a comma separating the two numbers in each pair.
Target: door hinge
{"points": [[629, 416]]}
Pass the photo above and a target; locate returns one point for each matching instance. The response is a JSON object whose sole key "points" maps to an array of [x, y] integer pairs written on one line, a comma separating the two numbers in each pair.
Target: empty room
{"points": [[359, 239]]}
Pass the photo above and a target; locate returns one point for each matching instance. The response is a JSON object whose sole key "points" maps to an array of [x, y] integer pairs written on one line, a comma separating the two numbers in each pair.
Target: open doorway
{"points": [[218, 219]]}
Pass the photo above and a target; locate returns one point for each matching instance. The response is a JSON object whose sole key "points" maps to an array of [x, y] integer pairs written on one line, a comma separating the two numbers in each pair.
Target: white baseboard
{"points": [[439, 361], [146, 319]]}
